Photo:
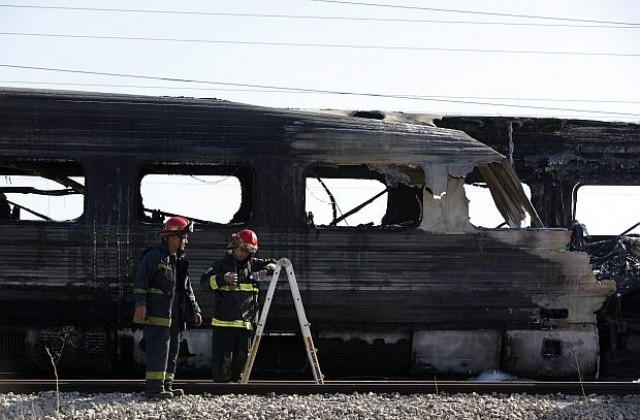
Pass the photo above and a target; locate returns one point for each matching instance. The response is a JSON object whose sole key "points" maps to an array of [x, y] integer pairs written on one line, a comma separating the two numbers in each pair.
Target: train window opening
{"points": [[483, 212], [608, 209], [363, 195], [220, 194], [41, 191]]}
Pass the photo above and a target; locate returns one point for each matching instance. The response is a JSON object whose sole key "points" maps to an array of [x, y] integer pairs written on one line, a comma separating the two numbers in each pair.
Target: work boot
{"points": [[177, 392], [158, 395]]}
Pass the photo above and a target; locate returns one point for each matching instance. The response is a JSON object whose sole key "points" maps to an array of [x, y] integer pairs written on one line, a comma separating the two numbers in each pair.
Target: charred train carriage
{"points": [[417, 292]]}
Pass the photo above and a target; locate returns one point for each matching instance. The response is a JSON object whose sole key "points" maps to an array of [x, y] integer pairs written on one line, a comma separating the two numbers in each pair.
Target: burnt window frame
{"points": [[474, 178], [366, 169], [630, 230], [247, 199], [48, 163]]}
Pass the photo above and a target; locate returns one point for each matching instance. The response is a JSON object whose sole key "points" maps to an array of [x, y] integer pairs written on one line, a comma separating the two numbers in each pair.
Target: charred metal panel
{"points": [[182, 127], [463, 278], [552, 354], [456, 352], [80, 350], [576, 148], [373, 351]]}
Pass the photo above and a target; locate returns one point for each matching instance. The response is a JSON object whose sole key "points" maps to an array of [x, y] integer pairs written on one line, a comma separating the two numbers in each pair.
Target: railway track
{"points": [[26, 386]]}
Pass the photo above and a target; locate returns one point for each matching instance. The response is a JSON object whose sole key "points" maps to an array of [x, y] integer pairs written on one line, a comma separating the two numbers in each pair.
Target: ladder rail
{"points": [[305, 326], [253, 351], [302, 320]]}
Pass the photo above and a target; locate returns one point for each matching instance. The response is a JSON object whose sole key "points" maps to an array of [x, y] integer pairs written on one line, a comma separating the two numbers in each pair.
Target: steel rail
{"points": [[329, 387]]}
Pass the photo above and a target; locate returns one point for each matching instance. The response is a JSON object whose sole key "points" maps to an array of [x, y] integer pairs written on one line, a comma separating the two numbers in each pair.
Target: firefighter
{"points": [[164, 301], [233, 280]]}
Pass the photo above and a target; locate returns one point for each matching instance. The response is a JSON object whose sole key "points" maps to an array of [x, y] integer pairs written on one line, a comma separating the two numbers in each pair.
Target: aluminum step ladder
{"points": [[302, 319]]}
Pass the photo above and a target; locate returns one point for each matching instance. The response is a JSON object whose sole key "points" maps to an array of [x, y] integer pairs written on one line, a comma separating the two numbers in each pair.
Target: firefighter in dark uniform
{"points": [[233, 280], [164, 301]]}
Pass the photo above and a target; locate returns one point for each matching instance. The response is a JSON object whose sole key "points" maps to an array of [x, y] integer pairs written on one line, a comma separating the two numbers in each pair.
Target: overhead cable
{"points": [[307, 90], [276, 90], [475, 12], [322, 17], [319, 45]]}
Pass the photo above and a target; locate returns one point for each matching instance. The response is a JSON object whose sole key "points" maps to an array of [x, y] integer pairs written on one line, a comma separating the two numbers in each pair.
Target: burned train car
{"points": [[556, 158], [419, 292]]}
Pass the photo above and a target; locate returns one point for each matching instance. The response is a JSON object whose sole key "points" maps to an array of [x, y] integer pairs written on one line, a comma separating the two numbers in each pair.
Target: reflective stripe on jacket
{"points": [[160, 280], [235, 306]]}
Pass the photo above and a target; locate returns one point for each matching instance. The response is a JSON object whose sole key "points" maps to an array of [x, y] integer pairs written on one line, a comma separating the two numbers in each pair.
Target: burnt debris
{"points": [[616, 258]]}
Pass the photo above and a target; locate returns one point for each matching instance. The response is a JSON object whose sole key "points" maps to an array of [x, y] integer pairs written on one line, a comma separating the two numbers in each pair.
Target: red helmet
{"points": [[176, 226], [246, 239]]}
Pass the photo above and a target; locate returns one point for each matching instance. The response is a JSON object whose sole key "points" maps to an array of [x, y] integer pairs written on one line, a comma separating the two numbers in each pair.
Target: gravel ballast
{"points": [[74, 405]]}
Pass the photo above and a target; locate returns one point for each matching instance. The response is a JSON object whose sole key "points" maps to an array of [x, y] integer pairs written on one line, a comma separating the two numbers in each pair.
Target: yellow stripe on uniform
{"points": [[154, 375], [212, 282], [241, 287], [232, 324], [153, 320]]}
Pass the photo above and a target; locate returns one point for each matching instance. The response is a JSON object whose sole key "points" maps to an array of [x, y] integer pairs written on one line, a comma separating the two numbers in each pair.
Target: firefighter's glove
{"points": [[230, 278], [259, 275]]}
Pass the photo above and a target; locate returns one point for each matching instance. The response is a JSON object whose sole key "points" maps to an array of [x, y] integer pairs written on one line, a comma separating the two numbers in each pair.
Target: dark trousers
{"points": [[162, 347], [174, 348], [229, 349]]}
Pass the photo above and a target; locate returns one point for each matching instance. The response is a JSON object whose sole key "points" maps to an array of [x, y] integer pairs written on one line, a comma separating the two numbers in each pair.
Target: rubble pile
{"points": [[617, 258], [620, 262]]}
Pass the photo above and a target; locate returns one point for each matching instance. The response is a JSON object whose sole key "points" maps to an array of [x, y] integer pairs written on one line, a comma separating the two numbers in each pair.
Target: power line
{"points": [[319, 17], [314, 91], [23, 82], [319, 45], [475, 12], [434, 97]]}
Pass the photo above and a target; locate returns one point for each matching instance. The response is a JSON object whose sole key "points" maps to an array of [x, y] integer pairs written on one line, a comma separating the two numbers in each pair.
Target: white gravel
{"points": [[74, 405]]}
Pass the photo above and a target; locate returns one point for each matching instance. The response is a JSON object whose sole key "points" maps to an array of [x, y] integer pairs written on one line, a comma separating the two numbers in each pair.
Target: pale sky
{"points": [[574, 55], [543, 58]]}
